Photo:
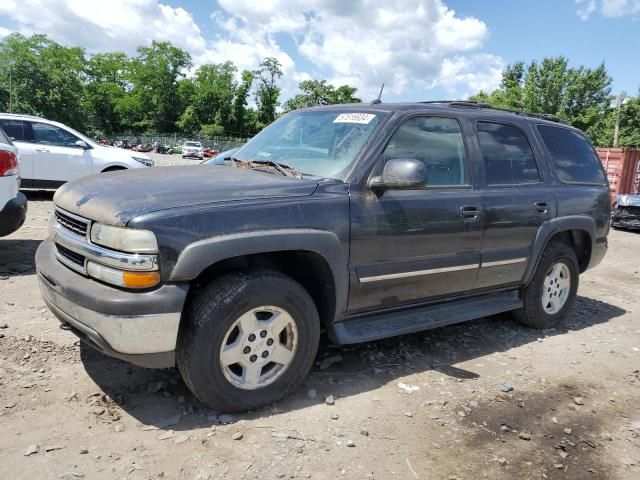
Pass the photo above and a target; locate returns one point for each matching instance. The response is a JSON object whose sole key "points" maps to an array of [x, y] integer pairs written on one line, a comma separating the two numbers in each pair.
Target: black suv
{"points": [[366, 221]]}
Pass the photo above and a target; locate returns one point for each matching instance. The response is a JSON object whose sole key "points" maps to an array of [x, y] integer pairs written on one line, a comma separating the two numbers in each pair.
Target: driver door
{"points": [[56, 158], [413, 246]]}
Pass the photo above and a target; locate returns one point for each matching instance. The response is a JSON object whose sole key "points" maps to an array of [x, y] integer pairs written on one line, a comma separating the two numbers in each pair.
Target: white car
{"points": [[192, 149], [52, 153], [13, 204]]}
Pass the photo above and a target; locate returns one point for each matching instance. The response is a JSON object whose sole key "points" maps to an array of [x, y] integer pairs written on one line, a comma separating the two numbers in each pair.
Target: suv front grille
{"points": [[74, 224], [71, 256]]}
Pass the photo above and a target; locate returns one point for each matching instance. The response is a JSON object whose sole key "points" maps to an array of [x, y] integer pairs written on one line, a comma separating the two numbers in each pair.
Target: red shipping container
{"points": [[622, 166]]}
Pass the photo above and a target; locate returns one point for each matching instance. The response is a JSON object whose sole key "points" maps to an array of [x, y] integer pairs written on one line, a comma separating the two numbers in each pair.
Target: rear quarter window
{"points": [[572, 155]]}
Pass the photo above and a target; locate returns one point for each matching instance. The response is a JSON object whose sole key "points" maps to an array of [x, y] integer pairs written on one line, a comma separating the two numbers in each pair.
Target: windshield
{"points": [[322, 143], [191, 144]]}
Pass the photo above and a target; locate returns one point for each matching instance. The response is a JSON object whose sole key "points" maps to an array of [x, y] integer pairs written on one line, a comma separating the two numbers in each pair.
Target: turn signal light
{"points": [[141, 279]]}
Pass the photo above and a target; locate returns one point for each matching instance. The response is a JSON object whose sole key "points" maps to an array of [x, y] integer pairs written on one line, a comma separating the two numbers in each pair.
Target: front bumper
{"points": [[138, 327], [193, 155], [13, 214]]}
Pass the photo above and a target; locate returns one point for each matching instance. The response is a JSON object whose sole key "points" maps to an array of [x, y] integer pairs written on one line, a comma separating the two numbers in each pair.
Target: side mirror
{"points": [[400, 174], [82, 144]]}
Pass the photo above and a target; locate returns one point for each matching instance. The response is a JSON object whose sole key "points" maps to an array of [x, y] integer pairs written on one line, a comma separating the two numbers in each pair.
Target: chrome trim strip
{"points": [[132, 334], [111, 258], [504, 262], [86, 221], [417, 273]]}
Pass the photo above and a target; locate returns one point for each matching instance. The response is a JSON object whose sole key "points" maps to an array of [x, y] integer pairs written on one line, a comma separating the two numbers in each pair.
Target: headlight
{"points": [[124, 239], [145, 161]]}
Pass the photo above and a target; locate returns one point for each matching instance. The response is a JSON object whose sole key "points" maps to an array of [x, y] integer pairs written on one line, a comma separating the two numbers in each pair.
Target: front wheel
{"points": [[249, 339], [550, 295]]}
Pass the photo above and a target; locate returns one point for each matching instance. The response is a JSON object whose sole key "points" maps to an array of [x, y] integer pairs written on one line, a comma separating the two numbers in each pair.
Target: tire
{"points": [[536, 315], [214, 319]]}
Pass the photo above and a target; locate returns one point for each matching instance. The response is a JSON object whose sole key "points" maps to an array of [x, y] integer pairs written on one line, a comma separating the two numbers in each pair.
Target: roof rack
{"points": [[472, 104]]}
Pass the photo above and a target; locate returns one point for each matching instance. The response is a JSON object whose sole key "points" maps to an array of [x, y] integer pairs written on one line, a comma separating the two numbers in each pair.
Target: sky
{"points": [[420, 49]]}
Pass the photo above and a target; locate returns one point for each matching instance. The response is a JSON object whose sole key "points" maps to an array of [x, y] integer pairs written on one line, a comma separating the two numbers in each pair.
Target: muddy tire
{"points": [[249, 339], [551, 294]]}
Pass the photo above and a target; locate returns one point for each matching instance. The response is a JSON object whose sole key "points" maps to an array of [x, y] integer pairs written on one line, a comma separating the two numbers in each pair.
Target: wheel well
{"points": [[113, 169], [579, 240], [309, 269]]}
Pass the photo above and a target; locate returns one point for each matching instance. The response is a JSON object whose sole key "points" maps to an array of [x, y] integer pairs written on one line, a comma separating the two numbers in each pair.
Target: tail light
{"points": [[8, 163]]}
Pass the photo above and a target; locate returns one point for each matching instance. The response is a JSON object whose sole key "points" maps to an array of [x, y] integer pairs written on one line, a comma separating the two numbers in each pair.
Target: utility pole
{"points": [[619, 102]]}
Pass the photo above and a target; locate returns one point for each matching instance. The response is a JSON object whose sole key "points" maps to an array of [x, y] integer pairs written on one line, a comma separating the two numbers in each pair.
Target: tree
{"points": [[154, 101], [46, 78], [105, 88], [241, 124], [318, 92], [267, 93], [579, 96]]}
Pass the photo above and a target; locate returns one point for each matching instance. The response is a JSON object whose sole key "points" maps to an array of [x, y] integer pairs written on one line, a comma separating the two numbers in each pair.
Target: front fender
{"points": [[198, 256]]}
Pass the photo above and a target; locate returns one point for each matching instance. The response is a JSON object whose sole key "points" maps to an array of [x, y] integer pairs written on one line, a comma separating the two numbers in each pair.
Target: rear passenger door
{"points": [[515, 198]]}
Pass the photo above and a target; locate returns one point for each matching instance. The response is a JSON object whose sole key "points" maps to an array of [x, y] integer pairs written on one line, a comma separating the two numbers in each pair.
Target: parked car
{"points": [[192, 150], [626, 213], [219, 158], [13, 204], [52, 153], [366, 221]]}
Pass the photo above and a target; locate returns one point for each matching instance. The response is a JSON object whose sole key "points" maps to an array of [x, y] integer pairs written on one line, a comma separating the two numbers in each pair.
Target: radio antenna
{"points": [[378, 100]]}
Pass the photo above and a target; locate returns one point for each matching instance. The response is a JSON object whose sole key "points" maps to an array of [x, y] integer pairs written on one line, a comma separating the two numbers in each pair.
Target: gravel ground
{"points": [[486, 399]]}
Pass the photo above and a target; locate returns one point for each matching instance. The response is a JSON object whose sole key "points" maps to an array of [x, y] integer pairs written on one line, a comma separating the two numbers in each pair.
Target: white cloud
{"points": [[608, 8], [586, 8], [408, 44], [4, 32], [100, 25], [405, 43]]}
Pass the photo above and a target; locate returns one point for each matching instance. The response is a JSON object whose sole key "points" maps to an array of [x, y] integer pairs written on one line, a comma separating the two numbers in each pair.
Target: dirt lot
{"points": [[488, 399]]}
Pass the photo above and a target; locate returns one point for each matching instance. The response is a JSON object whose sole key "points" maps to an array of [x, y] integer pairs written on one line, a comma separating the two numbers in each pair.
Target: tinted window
{"points": [[572, 155], [51, 135], [4, 138], [435, 141], [13, 128], [508, 157]]}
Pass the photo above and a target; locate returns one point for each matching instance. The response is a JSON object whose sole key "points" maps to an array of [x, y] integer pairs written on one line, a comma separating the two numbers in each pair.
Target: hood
{"points": [[115, 198], [122, 153]]}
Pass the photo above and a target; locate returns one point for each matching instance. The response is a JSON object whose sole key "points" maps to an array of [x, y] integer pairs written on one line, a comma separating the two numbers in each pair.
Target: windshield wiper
{"points": [[281, 167]]}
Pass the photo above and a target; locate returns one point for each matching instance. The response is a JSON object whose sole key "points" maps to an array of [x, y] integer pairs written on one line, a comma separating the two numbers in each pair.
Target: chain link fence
{"points": [[175, 140]]}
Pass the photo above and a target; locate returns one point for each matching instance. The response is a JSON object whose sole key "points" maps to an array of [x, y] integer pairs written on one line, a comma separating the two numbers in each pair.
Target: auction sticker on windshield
{"points": [[362, 118]]}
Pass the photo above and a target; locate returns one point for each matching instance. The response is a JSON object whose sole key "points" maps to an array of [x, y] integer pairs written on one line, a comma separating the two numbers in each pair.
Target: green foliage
{"points": [[581, 96], [318, 92], [267, 93], [112, 92]]}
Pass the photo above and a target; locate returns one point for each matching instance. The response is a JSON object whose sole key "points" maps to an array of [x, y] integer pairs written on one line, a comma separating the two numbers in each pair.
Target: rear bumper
{"points": [[138, 327], [13, 214]]}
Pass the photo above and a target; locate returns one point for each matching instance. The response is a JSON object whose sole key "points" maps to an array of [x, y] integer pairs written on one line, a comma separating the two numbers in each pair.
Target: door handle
{"points": [[470, 213], [42, 149], [542, 207]]}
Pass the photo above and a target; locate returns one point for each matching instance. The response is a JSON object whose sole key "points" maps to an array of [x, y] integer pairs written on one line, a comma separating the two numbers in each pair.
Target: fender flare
{"points": [[548, 229], [200, 255]]}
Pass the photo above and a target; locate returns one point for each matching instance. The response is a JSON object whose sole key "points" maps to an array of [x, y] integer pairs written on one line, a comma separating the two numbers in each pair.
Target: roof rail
{"points": [[22, 115], [473, 104]]}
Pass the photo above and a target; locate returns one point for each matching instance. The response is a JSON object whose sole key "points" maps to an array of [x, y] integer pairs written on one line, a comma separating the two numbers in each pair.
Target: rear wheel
{"points": [[551, 294], [249, 340]]}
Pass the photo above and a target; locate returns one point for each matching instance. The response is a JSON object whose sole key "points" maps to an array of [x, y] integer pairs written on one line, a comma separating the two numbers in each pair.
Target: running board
{"points": [[384, 325]]}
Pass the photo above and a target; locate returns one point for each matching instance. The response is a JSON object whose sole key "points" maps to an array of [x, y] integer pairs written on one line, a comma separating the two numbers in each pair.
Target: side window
{"points": [[438, 143], [508, 158], [14, 129], [45, 134], [573, 157]]}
